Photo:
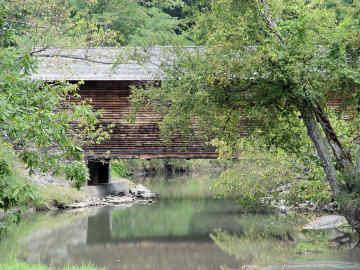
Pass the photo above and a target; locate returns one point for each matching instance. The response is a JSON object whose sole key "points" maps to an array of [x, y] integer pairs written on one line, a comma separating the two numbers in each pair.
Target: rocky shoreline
{"points": [[121, 192], [113, 194]]}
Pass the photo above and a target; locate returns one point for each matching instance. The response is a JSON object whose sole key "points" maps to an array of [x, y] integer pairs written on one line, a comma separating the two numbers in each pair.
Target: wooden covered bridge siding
{"points": [[134, 140], [140, 139]]}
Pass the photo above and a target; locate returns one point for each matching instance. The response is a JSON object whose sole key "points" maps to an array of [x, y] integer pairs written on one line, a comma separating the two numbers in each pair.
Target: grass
{"points": [[48, 197], [32, 195], [14, 264], [56, 196]]}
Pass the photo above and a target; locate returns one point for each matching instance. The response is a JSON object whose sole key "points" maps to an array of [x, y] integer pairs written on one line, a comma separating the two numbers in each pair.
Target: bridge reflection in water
{"points": [[176, 235], [165, 235]]}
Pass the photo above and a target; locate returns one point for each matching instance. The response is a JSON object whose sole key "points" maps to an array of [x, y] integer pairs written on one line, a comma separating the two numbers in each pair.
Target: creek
{"points": [[177, 232]]}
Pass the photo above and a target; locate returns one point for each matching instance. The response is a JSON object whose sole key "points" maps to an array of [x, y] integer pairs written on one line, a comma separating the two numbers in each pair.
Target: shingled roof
{"points": [[92, 64]]}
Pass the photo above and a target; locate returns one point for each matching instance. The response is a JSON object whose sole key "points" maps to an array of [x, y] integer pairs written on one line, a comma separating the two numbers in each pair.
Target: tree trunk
{"points": [[343, 158], [350, 207], [321, 146], [357, 161], [351, 211]]}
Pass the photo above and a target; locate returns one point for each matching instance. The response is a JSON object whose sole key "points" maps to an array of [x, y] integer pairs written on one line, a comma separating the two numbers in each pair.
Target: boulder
{"points": [[141, 191], [78, 205], [118, 200], [326, 222]]}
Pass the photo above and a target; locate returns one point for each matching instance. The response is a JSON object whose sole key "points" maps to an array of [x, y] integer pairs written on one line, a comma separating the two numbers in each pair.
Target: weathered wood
{"points": [[140, 139]]}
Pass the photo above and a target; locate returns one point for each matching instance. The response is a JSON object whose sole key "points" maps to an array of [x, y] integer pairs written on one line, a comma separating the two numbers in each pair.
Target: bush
{"points": [[252, 179], [259, 175], [13, 191], [119, 169], [314, 191]]}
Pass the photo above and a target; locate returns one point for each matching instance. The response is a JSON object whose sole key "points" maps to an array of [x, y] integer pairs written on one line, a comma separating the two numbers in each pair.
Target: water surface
{"points": [[177, 234]]}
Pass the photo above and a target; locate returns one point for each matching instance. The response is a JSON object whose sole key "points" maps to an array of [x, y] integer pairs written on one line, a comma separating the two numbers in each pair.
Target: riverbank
{"points": [[14, 264], [57, 194], [255, 182]]}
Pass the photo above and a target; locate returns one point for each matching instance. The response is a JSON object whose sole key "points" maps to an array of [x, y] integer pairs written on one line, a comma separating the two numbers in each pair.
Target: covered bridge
{"points": [[108, 88]]}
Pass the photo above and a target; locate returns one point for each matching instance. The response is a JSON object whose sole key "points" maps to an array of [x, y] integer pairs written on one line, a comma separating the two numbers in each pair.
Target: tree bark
{"points": [[349, 207], [351, 211], [343, 158], [357, 161], [321, 146]]}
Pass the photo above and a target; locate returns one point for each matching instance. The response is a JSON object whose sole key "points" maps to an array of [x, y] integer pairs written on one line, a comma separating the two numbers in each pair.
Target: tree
{"points": [[38, 124], [57, 23], [279, 60], [132, 22]]}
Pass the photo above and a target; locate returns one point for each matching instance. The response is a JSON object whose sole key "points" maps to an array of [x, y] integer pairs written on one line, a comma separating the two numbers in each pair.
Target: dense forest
{"points": [[277, 63]]}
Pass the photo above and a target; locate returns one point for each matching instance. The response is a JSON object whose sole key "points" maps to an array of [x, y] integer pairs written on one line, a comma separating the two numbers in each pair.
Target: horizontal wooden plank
{"points": [[158, 156], [140, 139]]}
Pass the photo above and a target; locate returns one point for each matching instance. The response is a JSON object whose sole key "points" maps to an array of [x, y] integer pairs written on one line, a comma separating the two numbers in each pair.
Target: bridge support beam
{"points": [[99, 171]]}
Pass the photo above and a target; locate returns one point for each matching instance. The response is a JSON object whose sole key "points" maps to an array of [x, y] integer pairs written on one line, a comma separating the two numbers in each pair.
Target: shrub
{"points": [[119, 169], [252, 179], [314, 191], [13, 191]]}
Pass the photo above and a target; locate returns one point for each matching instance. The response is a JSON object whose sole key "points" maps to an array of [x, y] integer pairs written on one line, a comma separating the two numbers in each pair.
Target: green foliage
{"points": [[94, 23], [317, 192], [32, 121], [151, 166], [47, 197], [168, 167], [273, 65], [37, 123], [4, 168], [56, 23], [247, 74], [13, 191], [119, 169], [253, 179], [15, 264], [131, 22], [304, 247], [263, 169]]}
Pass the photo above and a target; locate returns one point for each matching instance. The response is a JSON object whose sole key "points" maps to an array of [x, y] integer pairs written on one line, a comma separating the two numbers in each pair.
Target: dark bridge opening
{"points": [[99, 171]]}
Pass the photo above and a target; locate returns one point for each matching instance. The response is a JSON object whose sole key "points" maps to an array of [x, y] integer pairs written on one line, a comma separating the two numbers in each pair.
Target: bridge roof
{"points": [[101, 64]]}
